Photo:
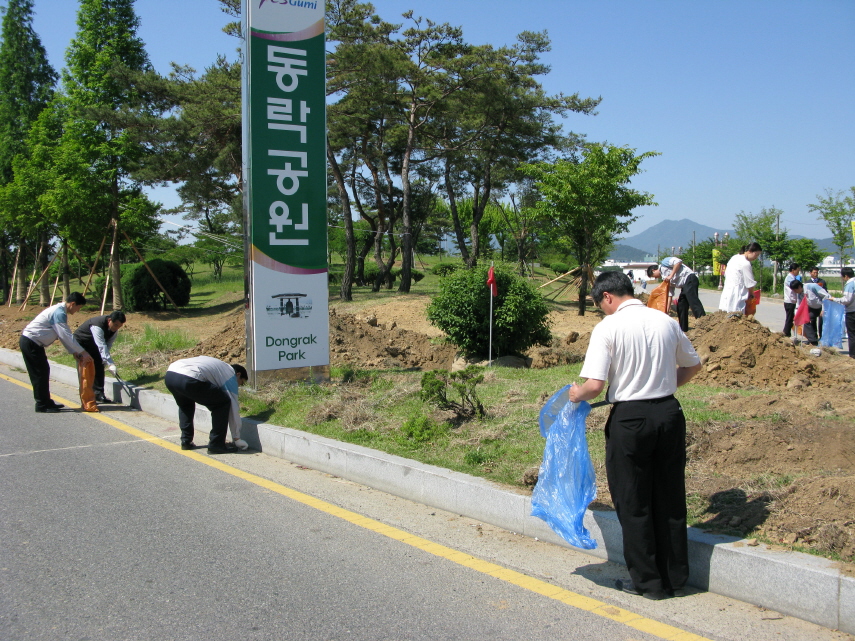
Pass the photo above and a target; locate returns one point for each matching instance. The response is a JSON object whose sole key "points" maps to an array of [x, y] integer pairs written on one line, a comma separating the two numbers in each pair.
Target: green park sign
{"points": [[284, 146]]}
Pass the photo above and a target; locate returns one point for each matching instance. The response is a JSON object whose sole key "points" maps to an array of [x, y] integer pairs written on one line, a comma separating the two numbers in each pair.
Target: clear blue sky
{"points": [[750, 102]]}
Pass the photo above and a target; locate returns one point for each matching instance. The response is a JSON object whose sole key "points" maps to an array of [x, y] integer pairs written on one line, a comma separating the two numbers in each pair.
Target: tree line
{"points": [[432, 141]]}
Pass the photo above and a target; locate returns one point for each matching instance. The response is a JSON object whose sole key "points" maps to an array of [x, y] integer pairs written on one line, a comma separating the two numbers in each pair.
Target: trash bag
{"points": [[566, 483], [752, 302], [802, 316], [86, 379], [660, 297], [833, 324]]}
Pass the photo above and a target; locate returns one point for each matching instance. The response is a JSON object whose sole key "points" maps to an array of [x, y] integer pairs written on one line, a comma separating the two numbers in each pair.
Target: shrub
{"points": [[444, 269], [142, 293], [560, 268], [422, 429], [415, 274], [462, 311], [371, 272]]}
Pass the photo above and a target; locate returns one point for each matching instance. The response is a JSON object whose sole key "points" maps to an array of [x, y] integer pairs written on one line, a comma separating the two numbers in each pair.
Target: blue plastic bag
{"points": [[566, 483], [833, 324]]}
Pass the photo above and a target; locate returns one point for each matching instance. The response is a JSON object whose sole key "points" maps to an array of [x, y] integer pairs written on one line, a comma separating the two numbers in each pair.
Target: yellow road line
{"points": [[578, 601]]}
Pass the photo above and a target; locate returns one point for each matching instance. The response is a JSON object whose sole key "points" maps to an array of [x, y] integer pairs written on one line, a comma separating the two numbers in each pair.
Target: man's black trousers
{"points": [[187, 391], [850, 332], [92, 350], [646, 470], [38, 368], [789, 315], [689, 299], [811, 333]]}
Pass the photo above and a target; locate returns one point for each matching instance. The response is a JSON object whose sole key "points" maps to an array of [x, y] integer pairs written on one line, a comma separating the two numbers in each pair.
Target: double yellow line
{"points": [[578, 601]]}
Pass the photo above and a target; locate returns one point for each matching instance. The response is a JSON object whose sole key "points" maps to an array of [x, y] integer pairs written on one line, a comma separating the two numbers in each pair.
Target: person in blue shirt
{"points": [[848, 300], [51, 324], [675, 272], [814, 294], [214, 384]]}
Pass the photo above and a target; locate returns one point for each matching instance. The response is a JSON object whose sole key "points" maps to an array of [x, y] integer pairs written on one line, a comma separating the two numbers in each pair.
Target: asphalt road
{"points": [[110, 532]]}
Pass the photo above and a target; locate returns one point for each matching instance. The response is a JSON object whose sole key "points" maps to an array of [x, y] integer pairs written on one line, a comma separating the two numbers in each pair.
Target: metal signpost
{"points": [[284, 150]]}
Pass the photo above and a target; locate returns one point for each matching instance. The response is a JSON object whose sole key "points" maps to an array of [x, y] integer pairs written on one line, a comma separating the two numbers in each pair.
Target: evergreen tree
{"points": [[102, 62], [26, 86]]}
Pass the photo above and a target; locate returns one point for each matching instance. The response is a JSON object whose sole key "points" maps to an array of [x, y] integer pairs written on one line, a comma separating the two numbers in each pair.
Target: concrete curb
{"points": [[793, 583]]}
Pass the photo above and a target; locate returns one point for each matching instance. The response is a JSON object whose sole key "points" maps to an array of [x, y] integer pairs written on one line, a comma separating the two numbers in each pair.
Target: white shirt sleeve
{"points": [[103, 345]]}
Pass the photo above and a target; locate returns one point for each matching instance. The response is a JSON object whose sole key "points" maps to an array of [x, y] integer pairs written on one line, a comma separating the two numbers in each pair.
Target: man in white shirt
{"points": [[672, 270], [214, 384], [51, 324], [791, 298], [815, 295], [645, 357]]}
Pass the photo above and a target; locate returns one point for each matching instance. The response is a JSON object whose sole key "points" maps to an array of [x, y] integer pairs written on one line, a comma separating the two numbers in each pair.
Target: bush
{"points": [[371, 272], [444, 269], [421, 429], [415, 274], [559, 268], [142, 293], [462, 311]]}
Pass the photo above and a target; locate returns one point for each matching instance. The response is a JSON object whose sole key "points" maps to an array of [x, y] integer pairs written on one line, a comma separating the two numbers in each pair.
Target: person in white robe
{"points": [[739, 279]]}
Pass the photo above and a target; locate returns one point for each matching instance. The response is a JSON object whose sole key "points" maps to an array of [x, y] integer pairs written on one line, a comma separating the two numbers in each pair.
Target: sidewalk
{"points": [[800, 585]]}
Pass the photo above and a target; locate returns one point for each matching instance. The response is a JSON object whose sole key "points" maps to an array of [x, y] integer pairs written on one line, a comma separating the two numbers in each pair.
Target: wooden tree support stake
{"points": [[95, 266], [36, 284]]}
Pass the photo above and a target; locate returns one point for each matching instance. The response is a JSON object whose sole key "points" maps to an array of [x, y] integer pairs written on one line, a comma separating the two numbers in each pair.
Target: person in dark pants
{"points": [[50, 325], [645, 357], [848, 300], [814, 278], [214, 384], [791, 298], [815, 295], [675, 272], [96, 335]]}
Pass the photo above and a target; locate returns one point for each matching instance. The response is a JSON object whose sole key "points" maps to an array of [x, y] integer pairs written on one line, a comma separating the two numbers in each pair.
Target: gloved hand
{"points": [[113, 370], [241, 444]]}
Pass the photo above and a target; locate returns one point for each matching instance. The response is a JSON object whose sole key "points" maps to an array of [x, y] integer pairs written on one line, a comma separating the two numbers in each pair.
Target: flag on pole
{"points": [[491, 281]]}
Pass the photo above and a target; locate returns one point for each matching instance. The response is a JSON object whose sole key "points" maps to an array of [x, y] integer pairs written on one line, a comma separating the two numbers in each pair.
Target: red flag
{"points": [[491, 281], [801, 316]]}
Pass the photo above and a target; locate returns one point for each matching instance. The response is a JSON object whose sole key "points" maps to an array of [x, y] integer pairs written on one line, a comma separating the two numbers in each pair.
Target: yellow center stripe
{"points": [[578, 601]]}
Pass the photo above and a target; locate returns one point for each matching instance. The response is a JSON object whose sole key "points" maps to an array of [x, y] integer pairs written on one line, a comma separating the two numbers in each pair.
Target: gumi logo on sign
{"points": [[294, 3]]}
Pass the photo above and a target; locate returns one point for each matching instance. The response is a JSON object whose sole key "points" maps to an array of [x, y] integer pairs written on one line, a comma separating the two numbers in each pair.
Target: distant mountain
{"points": [[627, 254], [671, 233]]}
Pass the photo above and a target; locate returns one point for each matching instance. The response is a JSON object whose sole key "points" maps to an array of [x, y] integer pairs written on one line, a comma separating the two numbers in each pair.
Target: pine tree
{"points": [[102, 60], [26, 86]]}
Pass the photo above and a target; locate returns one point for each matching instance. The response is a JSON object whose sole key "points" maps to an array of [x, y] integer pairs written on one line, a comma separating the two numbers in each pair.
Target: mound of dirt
{"points": [[361, 341], [737, 351]]}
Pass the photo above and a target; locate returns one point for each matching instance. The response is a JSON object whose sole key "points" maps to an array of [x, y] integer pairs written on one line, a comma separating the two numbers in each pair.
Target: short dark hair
{"points": [[814, 269], [796, 284], [118, 316], [651, 269], [76, 297], [615, 283], [240, 370], [847, 271], [753, 247], [794, 266]]}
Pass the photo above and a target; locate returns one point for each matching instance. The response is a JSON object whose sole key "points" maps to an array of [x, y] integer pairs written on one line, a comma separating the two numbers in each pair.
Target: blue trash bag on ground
{"points": [[833, 324], [566, 483]]}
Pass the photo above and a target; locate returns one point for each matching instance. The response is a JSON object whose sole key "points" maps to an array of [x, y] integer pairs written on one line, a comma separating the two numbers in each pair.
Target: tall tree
{"points": [[838, 212], [101, 62], [26, 86], [586, 205]]}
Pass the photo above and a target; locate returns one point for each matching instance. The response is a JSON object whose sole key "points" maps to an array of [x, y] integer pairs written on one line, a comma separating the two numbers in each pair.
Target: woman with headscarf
{"points": [[739, 279]]}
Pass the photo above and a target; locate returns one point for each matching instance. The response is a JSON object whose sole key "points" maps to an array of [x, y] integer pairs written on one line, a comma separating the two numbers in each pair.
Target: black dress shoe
{"points": [[225, 448], [629, 588], [50, 409], [188, 446], [103, 399], [678, 592], [57, 405]]}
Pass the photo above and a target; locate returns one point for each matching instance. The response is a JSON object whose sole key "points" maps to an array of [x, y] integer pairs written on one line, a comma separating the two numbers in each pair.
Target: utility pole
{"points": [[775, 262]]}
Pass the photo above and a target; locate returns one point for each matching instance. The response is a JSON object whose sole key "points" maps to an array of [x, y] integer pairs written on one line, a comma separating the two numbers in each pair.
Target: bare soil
{"points": [[781, 467]]}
